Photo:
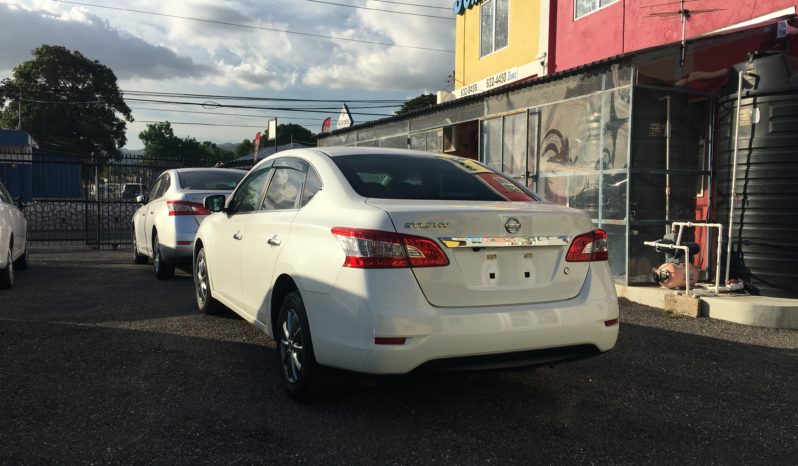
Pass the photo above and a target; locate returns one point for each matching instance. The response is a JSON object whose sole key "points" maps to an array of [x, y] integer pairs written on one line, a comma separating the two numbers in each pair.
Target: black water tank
{"points": [[765, 232]]}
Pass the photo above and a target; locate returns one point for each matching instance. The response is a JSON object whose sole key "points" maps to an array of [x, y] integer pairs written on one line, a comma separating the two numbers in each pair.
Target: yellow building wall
{"points": [[523, 45]]}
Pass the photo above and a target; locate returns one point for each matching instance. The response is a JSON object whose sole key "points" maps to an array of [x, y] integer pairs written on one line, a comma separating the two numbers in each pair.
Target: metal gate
{"points": [[82, 199]]}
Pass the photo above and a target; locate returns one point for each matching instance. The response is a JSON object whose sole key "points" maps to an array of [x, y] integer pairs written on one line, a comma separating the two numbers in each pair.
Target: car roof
{"points": [[185, 170], [338, 151]]}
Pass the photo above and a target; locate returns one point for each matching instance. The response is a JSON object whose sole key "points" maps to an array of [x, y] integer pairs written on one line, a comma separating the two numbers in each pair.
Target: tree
{"points": [[291, 132], [160, 142], [69, 102], [417, 103], [245, 147]]}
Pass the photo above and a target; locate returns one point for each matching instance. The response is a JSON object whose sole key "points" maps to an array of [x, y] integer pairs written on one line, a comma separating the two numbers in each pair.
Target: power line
{"points": [[253, 107], [383, 10], [242, 115], [248, 26], [191, 123], [414, 4], [236, 97]]}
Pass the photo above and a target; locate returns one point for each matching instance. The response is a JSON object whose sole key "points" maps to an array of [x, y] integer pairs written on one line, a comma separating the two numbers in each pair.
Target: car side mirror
{"points": [[140, 199], [25, 202], [215, 202]]}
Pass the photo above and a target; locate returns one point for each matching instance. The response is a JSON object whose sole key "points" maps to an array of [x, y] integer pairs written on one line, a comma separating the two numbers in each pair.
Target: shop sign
{"points": [[497, 80], [460, 6]]}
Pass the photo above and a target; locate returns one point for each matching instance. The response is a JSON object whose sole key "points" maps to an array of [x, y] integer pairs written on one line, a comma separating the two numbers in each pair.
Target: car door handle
{"points": [[238, 236], [274, 241]]}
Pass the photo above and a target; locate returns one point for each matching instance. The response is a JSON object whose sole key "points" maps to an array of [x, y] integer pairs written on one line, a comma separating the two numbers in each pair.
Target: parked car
{"points": [[164, 226], [389, 261], [132, 190], [13, 237]]}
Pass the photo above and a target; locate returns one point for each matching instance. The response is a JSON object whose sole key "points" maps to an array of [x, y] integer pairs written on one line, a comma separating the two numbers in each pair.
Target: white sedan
{"points": [[165, 224], [13, 237], [388, 261]]}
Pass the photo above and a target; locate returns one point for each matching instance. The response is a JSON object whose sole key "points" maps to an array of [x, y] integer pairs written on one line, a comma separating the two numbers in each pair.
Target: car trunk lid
{"points": [[500, 253]]}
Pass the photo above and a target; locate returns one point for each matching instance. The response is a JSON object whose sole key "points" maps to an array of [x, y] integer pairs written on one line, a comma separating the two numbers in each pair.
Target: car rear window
{"points": [[429, 178], [210, 180]]}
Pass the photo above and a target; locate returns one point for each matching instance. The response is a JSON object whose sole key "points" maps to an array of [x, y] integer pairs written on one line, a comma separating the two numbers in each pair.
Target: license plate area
{"points": [[507, 267]]}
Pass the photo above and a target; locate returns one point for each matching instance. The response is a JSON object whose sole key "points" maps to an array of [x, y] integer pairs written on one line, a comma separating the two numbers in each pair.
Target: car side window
{"points": [[165, 183], [155, 189], [5, 196], [312, 186], [247, 196], [285, 189]]}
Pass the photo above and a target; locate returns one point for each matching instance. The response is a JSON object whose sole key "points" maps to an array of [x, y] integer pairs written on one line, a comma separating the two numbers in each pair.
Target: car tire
{"points": [[22, 261], [163, 269], [302, 376], [138, 258], [7, 274], [206, 303]]}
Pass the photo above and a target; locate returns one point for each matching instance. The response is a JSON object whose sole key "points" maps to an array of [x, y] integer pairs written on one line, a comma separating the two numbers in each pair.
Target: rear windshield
{"points": [[430, 178], [210, 180]]}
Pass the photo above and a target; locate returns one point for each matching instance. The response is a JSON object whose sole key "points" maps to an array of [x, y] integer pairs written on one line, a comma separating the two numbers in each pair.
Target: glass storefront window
{"points": [[514, 147], [504, 144]]}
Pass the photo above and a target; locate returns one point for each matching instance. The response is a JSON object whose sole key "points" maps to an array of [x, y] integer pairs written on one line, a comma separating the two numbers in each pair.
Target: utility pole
{"points": [[19, 111]]}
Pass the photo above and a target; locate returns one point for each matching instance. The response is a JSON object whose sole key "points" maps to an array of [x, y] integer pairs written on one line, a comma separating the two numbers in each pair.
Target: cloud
{"points": [[128, 56], [379, 67]]}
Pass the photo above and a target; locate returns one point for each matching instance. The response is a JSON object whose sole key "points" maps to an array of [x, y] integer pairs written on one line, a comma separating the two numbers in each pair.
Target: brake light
{"points": [[186, 208], [589, 247], [375, 249]]}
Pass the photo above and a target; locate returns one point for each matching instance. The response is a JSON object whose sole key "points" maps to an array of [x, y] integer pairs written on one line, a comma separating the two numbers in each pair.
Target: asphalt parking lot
{"points": [[101, 363]]}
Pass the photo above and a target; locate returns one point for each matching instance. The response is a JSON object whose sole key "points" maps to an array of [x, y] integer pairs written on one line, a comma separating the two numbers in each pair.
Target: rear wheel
{"points": [[7, 274], [163, 269], [301, 375], [202, 286], [138, 258]]}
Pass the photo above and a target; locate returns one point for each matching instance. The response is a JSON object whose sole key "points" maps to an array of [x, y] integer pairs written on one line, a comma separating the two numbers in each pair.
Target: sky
{"points": [[164, 53]]}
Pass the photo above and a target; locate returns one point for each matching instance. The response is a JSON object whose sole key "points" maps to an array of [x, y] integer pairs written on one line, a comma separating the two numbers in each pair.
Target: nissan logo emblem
{"points": [[512, 226]]}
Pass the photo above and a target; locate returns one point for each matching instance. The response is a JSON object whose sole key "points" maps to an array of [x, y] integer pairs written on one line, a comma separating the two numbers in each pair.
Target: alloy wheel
{"points": [[202, 280], [291, 346]]}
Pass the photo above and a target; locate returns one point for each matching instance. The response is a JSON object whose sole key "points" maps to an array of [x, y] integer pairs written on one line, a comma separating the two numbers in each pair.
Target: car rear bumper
{"points": [[177, 239], [345, 323]]}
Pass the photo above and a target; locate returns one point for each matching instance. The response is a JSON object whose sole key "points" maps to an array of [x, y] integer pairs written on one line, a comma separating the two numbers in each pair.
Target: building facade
{"points": [[613, 113]]}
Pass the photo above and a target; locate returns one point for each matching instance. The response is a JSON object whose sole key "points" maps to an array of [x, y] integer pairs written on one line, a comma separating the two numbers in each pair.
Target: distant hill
{"points": [[228, 146]]}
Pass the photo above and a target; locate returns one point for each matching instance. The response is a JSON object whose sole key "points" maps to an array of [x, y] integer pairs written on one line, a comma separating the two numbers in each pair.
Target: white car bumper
{"points": [[345, 322]]}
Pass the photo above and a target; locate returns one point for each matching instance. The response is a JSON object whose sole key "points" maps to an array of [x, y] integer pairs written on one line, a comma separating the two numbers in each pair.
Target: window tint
{"points": [[312, 186], [247, 196], [430, 178], [284, 190], [210, 180]]}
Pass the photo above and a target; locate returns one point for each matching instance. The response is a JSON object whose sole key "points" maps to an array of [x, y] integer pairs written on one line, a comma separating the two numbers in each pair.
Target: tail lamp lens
{"points": [[177, 208], [374, 249], [589, 247]]}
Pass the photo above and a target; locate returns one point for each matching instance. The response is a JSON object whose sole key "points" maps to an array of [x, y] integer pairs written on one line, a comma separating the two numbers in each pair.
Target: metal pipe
{"points": [[733, 187], [667, 160]]}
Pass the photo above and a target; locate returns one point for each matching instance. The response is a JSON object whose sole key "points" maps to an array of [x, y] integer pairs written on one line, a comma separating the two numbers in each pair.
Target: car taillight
{"points": [[375, 249], [589, 247], [186, 208]]}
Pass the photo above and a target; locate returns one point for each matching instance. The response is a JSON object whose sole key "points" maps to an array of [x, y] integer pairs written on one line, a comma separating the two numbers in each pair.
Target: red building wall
{"points": [[627, 26]]}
